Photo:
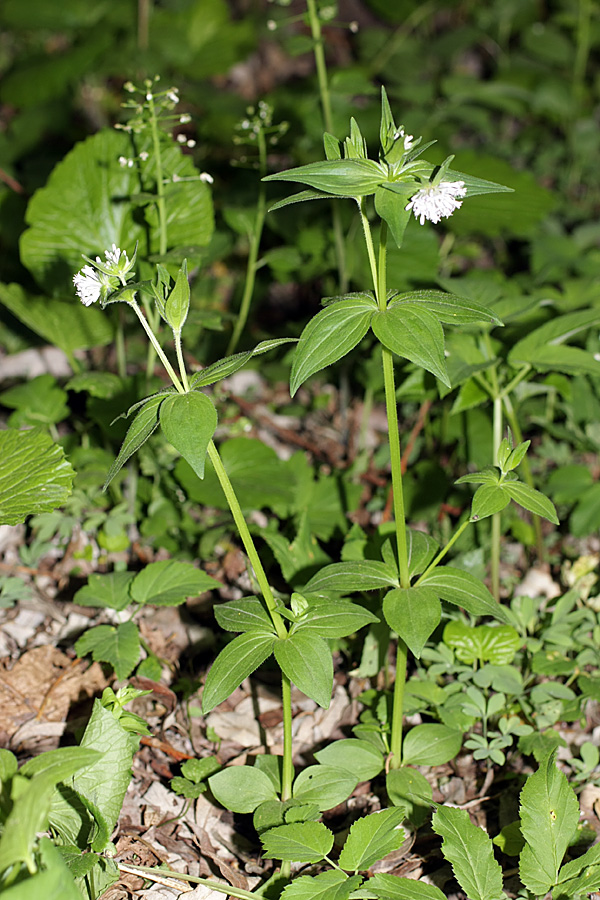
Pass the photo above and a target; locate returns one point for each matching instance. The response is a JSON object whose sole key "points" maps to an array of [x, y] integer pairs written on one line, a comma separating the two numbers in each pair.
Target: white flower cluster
{"points": [[407, 139], [88, 285], [437, 201], [99, 279]]}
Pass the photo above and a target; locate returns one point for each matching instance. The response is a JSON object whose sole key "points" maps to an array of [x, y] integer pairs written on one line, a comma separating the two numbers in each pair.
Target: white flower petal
{"points": [[437, 201], [87, 285]]}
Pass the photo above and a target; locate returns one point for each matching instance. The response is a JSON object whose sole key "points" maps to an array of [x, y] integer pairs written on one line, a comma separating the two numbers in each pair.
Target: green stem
{"points": [[496, 518], [287, 776], [443, 552], [181, 361], [247, 541], [160, 187], [226, 889], [321, 66], [255, 239], [143, 29], [398, 706], [159, 350], [120, 342], [527, 474]]}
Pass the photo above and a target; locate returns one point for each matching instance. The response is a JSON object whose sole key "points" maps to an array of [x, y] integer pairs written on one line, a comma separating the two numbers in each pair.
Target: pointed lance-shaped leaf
{"points": [[144, 424], [415, 334], [342, 177]]}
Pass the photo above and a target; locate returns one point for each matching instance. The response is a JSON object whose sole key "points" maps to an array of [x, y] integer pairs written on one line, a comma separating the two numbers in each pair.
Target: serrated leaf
{"points": [[235, 662], [488, 500], [110, 591], [301, 842], [247, 614], [144, 424], [241, 788], [118, 645], [413, 613], [360, 758], [465, 590], [188, 422], [342, 177], [393, 887], [169, 583], [532, 500], [337, 618], [415, 334], [371, 838], [431, 745], [448, 308], [469, 850], [35, 476], [342, 578], [549, 815], [324, 785], [306, 660], [331, 885], [330, 335]]}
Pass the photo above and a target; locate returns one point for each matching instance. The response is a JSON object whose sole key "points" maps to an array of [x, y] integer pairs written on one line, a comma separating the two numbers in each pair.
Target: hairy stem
{"points": [[159, 350]]}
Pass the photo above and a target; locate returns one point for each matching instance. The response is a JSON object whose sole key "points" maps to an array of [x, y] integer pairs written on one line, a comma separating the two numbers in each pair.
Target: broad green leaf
{"points": [[392, 209], [231, 364], [448, 308], [360, 758], [558, 358], [301, 842], [306, 660], [484, 643], [549, 815], [53, 881], [61, 763], [409, 789], [110, 591], [248, 614], [465, 590], [118, 645], [469, 850], [421, 550], [65, 323], [330, 885], [330, 335], [371, 838], [241, 788], [39, 401], [324, 785], [393, 887], [28, 816], [336, 618], [302, 196], [144, 424], [343, 578], [8, 765], [235, 662], [430, 745], [489, 475], [169, 583], [103, 385], [510, 840], [342, 177], [35, 477], [415, 334], [413, 613], [188, 422], [488, 500], [580, 876], [532, 500], [554, 332]]}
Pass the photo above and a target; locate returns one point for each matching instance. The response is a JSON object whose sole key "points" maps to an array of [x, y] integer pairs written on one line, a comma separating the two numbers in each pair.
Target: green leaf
{"points": [[469, 850], [552, 334], [324, 785], [413, 613], [532, 500], [421, 549], [371, 838], [393, 887], [61, 763], [447, 308], [248, 614], [301, 842], [556, 358], [39, 401], [391, 208], [235, 662], [485, 643], [306, 660], [414, 333], [35, 477], [409, 789], [169, 583], [465, 590], [330, 885], [488, 500], [330, 335], [336, 618], [118, 645], [103, 385], [510, 840], [342, 177], [430, 745], [8, 765], [342, 578], [188, 422], [360, 758], [302, 196], [580, 875], [144, 424], [549, 815], [52, 882], [241, 788], [231, 364], [177, 303], [110, 591]]}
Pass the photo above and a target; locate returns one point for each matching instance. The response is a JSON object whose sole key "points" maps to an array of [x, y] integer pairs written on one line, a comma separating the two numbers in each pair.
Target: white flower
{"points": [[173, 95], [191, 143], [208, 179], [125, 163], [144, 155], [185, 118], [437, 201], [117, 262], [88, 285], [181, 138]]}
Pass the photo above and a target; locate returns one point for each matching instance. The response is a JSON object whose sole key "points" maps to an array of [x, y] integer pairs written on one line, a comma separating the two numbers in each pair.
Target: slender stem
{"points": [[160, 187], [527, 474], [120, 343], [369, 243], [159, 350], [496, 518], [251, 265], [443, 552], [515, 381], [166, 876], [398, 706], [249, 546], [143, 23], [181, 361], [287, 777]]}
